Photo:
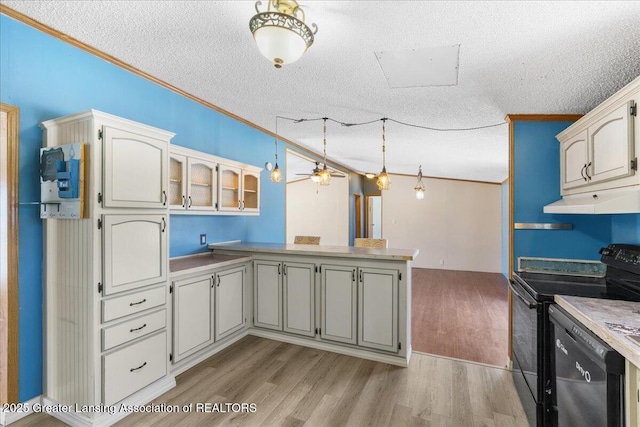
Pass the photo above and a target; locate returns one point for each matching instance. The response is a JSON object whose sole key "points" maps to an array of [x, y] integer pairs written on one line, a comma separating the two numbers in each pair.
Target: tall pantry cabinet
{"points": [[106, 278]]}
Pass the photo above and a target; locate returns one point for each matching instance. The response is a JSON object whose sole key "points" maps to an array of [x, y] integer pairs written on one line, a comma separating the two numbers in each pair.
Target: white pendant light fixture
{"points": [[419, 186], [383, 179], [276, 175], [280, 31], [324, 175]]}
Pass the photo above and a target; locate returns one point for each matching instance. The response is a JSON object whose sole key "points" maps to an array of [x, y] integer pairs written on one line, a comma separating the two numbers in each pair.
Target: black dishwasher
{"points": [[587, 376]]}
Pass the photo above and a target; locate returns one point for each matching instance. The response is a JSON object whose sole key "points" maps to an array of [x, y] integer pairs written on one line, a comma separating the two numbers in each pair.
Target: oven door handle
{"points": [[516, 293]]}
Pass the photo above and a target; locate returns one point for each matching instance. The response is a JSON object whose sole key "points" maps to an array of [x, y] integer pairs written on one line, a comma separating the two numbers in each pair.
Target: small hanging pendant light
{"points": [[419, 186], [324, 175], [383, 179], [276, 175]]}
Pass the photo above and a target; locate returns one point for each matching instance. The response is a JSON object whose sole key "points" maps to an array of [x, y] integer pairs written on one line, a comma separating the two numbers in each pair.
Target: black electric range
{"points": [[532, 294]]}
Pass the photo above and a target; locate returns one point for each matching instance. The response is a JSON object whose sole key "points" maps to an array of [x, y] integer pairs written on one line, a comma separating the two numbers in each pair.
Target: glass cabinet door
{"points": [[250, 191], [202, 185], [177, 181], [230, 199]]}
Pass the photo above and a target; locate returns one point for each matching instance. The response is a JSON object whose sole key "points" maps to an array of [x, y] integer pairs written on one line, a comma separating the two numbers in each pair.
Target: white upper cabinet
{"points": [[598, 152], [611, 147], [177, 181], [202, 190], [134, 169], [239, 189]]}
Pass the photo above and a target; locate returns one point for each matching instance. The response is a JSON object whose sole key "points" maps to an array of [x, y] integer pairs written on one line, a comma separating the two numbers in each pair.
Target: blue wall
{"points": [[625, 229], [536, 184], [46, 78], [505, 228]]}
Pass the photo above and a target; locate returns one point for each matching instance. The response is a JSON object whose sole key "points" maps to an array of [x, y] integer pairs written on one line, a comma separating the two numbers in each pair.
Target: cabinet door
{"points": [[177, 181], [134, 171], [250, 191], [573, 161], [229, 188], [299, 298], [135, 251], [339, 303], [267, 298], [611, 146], [202, 185], [229, 301], [378, 309], [193, 303]]}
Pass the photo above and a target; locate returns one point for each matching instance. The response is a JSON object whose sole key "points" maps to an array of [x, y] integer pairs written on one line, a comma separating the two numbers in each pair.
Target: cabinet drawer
{"points": [[133, 303], [126, 331], [128, 370]]}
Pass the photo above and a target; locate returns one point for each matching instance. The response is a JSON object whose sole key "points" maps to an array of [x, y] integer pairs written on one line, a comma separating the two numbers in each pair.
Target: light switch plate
{"points": [[203, 239]]}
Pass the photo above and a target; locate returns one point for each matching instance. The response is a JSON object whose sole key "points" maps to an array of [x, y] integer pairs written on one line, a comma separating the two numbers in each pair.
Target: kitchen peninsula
{"points": [[355, 301]]}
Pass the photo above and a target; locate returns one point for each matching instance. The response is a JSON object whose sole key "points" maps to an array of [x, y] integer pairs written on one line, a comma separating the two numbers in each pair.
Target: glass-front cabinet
{"points": [[203, 184]]}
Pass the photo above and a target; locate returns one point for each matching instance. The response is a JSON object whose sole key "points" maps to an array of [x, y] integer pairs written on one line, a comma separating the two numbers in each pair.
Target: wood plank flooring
{"points": [[295, 386], [460, 314]]}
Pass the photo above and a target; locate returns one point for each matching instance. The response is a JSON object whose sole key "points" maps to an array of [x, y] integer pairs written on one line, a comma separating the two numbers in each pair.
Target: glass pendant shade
{"points": [[419, 188], [279, 45], [419, 193], [383, 180], [276, 175], [315, 178], [324, 176]]}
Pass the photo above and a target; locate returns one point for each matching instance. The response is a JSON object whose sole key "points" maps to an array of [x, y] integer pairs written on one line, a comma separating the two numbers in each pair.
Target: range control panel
{"points": [[622, 256]]}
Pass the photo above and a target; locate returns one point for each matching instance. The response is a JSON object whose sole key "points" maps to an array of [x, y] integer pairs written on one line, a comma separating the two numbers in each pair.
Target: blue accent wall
{"points": [[625, 229], [536, 184], [47, 78], [505, 228]]}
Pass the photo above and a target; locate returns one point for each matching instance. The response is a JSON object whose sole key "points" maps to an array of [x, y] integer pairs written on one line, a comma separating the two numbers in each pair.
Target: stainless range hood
{"points": [[598, 202]]}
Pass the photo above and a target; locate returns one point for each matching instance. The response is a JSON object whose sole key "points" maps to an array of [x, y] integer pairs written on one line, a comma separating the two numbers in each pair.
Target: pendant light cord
{"points": [[384, 155]]}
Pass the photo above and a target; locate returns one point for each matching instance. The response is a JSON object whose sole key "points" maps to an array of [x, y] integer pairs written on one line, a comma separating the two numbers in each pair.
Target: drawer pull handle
{"points": [[137, 329], [136, 303], [139, 367]]}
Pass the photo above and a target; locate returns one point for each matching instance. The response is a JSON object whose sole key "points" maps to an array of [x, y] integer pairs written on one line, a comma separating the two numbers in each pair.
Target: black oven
{"points": [[531, 296]]}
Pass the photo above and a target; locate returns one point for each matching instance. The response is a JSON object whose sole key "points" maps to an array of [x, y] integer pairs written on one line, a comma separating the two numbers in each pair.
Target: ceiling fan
{"points": [[315, 173]]}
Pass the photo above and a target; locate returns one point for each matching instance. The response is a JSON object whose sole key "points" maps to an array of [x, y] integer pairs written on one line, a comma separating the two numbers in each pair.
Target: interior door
{"points": [[134, 172]]}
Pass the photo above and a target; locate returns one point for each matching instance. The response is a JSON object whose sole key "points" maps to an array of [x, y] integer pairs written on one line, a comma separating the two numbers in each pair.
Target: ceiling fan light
{"points": [[276, 175], [370, 175], [315, 178]]}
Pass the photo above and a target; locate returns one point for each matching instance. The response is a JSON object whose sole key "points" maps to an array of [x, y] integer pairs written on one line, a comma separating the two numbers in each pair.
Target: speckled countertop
{"points": [[319, 250], [202, 262], [613, 321]]}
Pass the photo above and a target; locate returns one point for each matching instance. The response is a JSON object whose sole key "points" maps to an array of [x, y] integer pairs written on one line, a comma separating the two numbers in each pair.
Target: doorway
{"points": [[358, 214], [9, 163], [374, 217]]}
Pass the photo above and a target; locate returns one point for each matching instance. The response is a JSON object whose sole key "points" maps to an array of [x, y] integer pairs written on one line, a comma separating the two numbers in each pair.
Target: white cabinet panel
{"points": [[250, 191], [177, 181], [299, 298], [574, 159], [128, 370], [129, 330], [202, 185], [125, 305], [611, 146], [378, 309], [230, 180], [338, 304], [135, 251], [229, 313], [193, 303], [267, 294], [135, 168]]}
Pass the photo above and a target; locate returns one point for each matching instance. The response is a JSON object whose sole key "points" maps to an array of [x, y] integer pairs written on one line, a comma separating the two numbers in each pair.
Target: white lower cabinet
{"points": [[229, 316], [128, 370], [207, 307], [378, 309], [299, 298], [193, 303], [284, 296], [339, 304]]}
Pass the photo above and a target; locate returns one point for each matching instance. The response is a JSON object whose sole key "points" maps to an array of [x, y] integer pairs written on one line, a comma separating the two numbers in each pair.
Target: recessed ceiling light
{"points": [[370, 175]]}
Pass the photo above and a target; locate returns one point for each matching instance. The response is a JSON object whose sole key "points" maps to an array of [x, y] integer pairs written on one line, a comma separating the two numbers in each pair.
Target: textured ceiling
{"points": [[515, 57]]}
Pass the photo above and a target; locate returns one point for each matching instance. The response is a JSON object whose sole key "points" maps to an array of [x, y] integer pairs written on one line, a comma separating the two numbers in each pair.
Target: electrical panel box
{"points": [[62, 181]]}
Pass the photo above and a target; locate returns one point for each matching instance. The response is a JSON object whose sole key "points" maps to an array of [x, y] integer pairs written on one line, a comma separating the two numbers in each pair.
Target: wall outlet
{"points": [[441, 262], [203, 239]]}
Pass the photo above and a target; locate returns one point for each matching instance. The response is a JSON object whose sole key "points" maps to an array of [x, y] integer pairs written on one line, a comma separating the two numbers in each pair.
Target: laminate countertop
{"points": [[615, 322], [202, 262], [319, 250]]}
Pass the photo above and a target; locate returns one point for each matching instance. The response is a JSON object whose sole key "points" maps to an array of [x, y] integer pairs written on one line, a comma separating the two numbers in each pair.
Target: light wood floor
{"points": [[295, 386], [460, 314]]}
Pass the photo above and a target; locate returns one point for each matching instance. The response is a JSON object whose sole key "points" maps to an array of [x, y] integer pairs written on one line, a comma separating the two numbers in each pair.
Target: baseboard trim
{"points": [[363, 354], [7, 418]]}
